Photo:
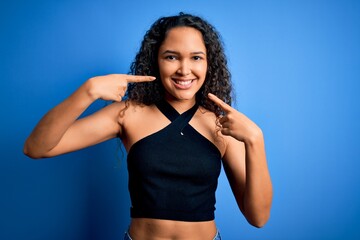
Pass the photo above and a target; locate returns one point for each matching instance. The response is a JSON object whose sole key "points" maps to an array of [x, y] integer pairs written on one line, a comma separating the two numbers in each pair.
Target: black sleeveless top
{"points": [[173, 173]]}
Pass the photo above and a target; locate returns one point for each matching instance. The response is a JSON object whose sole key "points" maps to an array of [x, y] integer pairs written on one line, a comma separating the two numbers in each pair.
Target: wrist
{"points": [[90, 90], [254, 138]]}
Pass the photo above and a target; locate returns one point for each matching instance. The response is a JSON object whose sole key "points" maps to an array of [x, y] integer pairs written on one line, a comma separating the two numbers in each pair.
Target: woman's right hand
{"points": [[113, 87]]}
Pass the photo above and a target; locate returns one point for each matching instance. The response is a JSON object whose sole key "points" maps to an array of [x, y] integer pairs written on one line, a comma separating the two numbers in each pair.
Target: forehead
{"points": [[185, 39]]}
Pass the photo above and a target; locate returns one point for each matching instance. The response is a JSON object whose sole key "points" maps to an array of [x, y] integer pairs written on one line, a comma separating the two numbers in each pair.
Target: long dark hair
{"points": [[218, 79]]}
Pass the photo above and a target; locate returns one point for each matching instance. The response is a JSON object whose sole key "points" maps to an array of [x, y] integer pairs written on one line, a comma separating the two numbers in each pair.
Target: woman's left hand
{"points": [[236, 124]]}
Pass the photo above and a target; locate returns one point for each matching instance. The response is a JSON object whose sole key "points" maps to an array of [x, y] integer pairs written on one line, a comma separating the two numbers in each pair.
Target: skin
{"points": [[182, 66]]}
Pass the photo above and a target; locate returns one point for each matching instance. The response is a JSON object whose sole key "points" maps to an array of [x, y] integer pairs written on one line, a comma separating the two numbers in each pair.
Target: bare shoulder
{"points": [[117, 113], [138, 121], [207, 118], [128, 110], [206, 122]]}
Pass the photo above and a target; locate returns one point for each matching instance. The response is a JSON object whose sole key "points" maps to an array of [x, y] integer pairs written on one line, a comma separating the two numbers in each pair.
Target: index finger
{"points": [[138, 78], [224, 106]]}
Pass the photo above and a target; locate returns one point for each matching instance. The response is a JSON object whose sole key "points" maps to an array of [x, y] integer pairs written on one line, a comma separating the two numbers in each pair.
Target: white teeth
{"points": [[184, 83]]}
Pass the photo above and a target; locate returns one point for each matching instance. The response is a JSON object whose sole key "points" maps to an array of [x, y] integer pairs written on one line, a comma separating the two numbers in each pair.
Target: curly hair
{"points": [[218, 79]]}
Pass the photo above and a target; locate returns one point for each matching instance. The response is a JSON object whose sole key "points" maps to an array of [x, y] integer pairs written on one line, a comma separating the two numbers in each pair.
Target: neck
{"points": [[180, 105]]}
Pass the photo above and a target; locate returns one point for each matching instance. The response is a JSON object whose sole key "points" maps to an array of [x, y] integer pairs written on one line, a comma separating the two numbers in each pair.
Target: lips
{"points": [[183, 84]]}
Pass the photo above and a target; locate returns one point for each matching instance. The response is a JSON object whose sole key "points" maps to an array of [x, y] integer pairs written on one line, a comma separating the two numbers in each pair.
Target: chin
{"points": [[181, 97]]}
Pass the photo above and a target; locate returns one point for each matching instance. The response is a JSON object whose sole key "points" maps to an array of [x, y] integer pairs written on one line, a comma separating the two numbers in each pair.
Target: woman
{"points": [[177, 126]]}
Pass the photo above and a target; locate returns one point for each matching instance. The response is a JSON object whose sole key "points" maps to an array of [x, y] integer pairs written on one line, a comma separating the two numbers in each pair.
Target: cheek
{"points": [[166, 69], [201, 69]]}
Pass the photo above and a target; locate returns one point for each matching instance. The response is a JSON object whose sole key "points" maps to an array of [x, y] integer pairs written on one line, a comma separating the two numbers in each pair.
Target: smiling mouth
{"points": [[183, 83]]}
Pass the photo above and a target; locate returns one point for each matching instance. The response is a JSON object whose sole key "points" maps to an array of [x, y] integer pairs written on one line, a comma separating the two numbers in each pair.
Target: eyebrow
{"points": [[175, 52]]}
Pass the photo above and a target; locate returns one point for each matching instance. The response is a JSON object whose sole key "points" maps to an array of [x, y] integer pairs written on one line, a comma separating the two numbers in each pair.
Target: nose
{"points": [[184, 68]]}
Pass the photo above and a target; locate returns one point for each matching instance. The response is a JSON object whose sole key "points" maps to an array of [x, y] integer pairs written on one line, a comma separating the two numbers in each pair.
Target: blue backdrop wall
{"points": [[296, 71]]}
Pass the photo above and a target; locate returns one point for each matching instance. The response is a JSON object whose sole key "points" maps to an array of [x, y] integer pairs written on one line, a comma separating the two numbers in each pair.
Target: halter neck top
{"points": [[173, 173]]}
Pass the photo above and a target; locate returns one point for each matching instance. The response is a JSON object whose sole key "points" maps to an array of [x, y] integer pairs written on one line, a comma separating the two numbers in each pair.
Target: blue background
{"points": [[296, 71]]}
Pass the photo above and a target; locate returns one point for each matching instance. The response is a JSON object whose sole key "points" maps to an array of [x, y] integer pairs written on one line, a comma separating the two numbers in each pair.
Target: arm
{"points": [[246, 168], [245, 164], [60, 131]]}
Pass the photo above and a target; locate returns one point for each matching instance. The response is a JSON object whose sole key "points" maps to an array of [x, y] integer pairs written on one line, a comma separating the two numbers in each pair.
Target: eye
{"points": [[170, 57], [197, 58]]}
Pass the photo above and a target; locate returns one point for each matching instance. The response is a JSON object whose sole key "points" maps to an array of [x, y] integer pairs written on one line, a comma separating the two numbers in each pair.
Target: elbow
{"points": [[259, 223], [258, 219], [259, 214], [30, 153]]}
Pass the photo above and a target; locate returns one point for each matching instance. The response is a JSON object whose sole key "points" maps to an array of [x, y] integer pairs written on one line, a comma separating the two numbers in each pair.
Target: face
{"points": [[182, 63]]}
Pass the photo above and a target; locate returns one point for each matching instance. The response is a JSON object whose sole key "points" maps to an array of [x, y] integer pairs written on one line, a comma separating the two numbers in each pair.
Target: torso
{"points": [[139, 121], [155, 229]]}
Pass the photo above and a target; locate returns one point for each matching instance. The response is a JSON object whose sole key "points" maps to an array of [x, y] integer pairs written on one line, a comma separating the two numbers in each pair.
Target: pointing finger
{"points": [[224, 106], [138, 78]]}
